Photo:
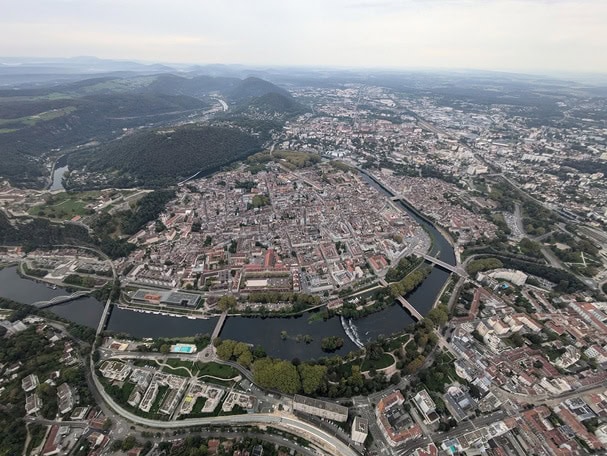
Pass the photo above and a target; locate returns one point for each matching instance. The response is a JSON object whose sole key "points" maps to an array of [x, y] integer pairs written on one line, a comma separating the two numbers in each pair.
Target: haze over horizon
{"points": [[535, 36]]}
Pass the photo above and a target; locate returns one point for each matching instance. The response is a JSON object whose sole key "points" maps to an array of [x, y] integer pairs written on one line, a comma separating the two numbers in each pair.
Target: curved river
{"points": [[256, 331], [57, 177]]}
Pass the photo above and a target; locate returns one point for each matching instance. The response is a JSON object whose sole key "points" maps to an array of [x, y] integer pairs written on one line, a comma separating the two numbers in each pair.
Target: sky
{"points": [[543, 36]]}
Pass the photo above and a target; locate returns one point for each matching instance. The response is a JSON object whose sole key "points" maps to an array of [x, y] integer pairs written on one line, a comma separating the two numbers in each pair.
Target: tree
{"points": [[331, 343], [165, 348], [275, 374], [226, 349], [483, 265], [415, 365], [226, 303], [245, 359], [312, 377], [107, 424], [129, 443], [439, 315]]}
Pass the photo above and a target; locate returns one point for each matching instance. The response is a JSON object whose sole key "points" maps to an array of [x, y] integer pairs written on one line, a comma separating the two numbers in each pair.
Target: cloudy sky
{"points": [[512, 35]]}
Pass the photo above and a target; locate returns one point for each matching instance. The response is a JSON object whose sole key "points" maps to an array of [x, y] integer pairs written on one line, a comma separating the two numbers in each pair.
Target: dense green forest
{"points": [[410, 282], [197, 86], [34, 122], [254, 87], [402, 268], [272, 105], [31, 128], [158, 158], [148, 208]]}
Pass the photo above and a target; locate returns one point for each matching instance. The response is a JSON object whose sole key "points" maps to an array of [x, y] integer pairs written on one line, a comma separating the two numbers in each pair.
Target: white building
{"points": [[512, 276], [571, 356], [596, 352], [360, 429], [29, 383], [426, 406], [33, 404], [115, 370]]}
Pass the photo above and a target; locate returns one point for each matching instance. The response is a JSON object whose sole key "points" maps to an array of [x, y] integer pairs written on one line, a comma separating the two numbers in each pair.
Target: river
{"points": [[85, 311], [256, 331], [60, 170]]}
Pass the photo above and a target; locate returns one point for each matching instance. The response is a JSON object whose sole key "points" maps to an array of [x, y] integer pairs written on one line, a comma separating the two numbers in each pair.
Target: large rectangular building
{"points": [[323, 409], [166, 298]]}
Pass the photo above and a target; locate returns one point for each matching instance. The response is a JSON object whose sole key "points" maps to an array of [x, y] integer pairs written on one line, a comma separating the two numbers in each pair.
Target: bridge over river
{"points": [[61, 299], [459, 270], [406, 304]]}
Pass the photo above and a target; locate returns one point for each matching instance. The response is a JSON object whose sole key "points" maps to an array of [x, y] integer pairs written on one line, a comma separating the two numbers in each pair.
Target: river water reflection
{"points": [[85, 311]]}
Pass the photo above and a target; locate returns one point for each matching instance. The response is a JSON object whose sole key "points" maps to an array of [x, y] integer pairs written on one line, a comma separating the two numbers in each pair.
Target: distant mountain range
{"points": [[38, 123]]}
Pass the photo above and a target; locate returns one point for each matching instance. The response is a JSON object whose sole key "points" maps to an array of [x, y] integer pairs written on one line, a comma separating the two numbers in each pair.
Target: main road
{"points": [[329, 443]]}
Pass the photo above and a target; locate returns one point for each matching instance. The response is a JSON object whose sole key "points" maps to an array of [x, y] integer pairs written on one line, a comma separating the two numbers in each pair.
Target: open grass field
{"points": [[216, 370], [384, 361], [65, 206]]}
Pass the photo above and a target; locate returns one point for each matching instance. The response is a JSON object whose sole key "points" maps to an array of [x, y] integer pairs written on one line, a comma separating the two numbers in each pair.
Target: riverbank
{"points": [[405, 202], [264, 331]]}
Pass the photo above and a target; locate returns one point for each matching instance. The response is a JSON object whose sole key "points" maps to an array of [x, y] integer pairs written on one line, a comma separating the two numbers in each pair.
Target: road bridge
{"points": [[219, 326], [104, 315], [60, 299], [459, 270], [406, 304]]}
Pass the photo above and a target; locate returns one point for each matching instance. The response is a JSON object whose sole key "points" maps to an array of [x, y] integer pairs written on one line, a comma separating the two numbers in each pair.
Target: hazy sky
{"points": [[518, 35]]}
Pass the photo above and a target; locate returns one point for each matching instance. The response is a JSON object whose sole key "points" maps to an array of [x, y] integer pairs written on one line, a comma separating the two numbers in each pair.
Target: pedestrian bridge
{"points": [[60, 299]]}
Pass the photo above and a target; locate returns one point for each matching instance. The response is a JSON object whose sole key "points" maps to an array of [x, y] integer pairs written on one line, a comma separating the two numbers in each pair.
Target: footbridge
{"points": [[406, 304], [60, 299]]}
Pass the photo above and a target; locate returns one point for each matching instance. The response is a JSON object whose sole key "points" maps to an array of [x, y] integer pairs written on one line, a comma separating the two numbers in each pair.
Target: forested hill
{"points": [[39, 124], [198, 86], [31, 128], [254, 87], [272, 105], [156, 158]]}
